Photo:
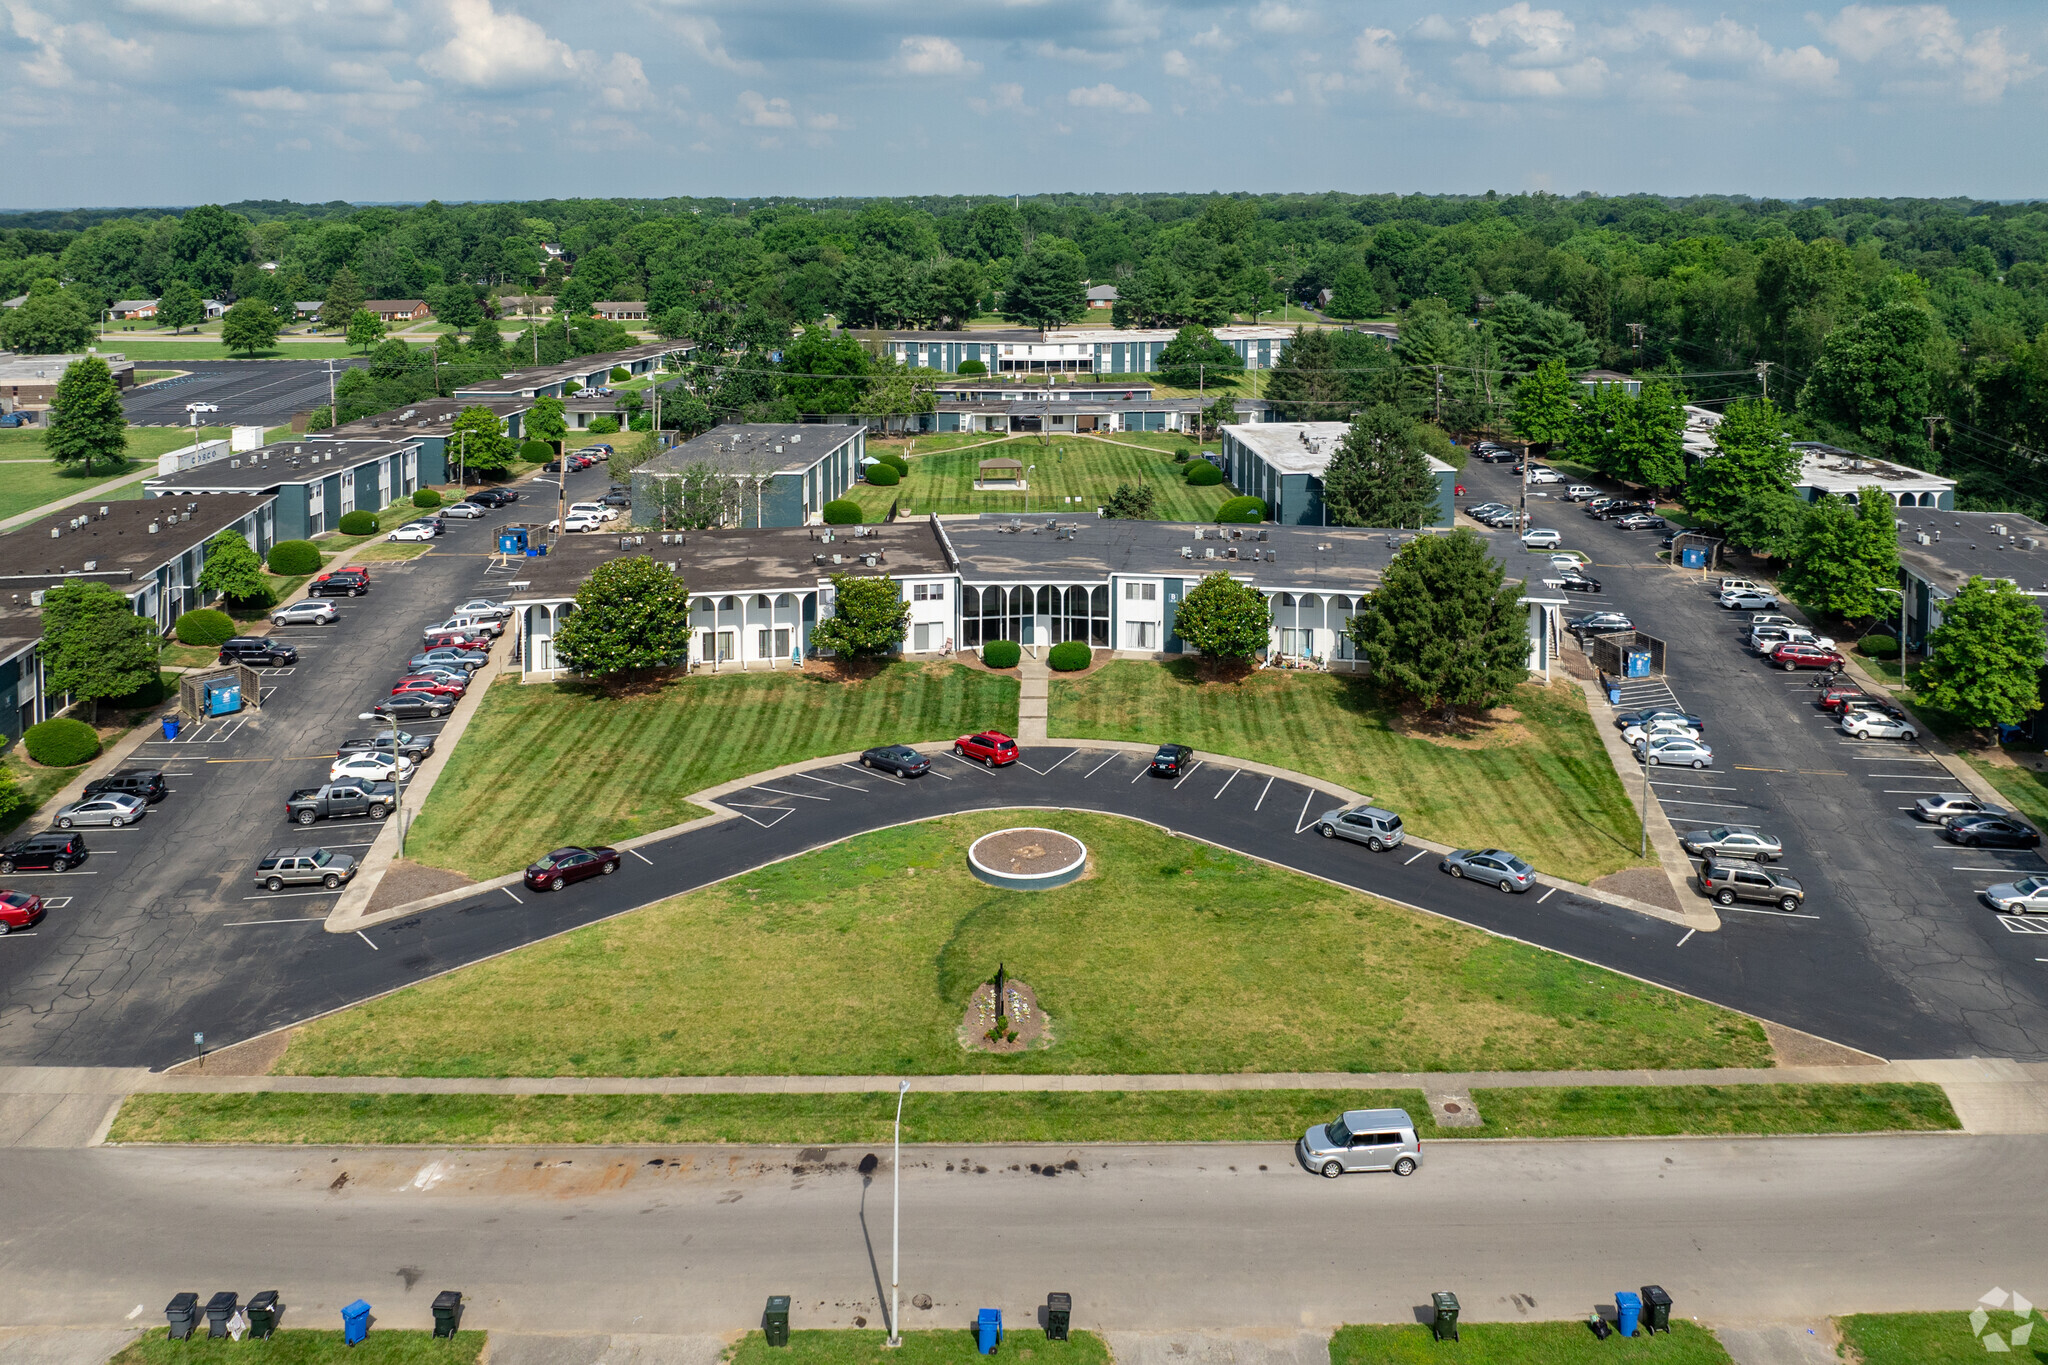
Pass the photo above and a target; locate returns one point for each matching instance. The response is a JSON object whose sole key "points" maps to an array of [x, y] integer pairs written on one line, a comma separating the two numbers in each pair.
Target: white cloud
{"points": [[57, 43], [757, 112], [1107, 96], [701, 34], [1377, 55], [1213, 38], [489, 50], [1722, 48], [1176, 65], [622, 83], [1929, 38], [930, 55], [1086, 56], [825, 123], [1007, 97], [1587, 76], [1543, 35], [1275, 16]]}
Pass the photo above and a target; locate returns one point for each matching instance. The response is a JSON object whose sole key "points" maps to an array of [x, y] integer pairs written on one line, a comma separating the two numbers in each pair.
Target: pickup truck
{"points": [[337, 799]]}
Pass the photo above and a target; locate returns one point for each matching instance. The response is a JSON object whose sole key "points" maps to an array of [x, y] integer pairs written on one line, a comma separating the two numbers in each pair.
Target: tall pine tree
{"points": [[1380, 475]]}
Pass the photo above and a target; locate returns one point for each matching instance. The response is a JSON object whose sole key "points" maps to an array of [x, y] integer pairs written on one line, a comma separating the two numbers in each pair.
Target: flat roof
{"points": [[27, 369], [542, 376], [1836, 470], [757, 447], [429, 416], [273, 466], [777, 558], [1094, 402], [1106, 335], [1300, 447], [1965, 545]]}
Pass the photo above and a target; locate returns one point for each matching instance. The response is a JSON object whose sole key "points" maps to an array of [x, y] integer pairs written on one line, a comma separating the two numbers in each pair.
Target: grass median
{"points": [[1275, 1116], [1939, 1338], [558, 763], [1533, 779], [957, 1347], [1066, 466], [1522, 1343], [304, 1346]]}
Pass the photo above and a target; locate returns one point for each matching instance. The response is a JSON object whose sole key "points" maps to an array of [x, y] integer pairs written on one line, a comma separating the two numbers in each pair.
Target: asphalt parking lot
{"points": [[251, 392], [1885, 893]]}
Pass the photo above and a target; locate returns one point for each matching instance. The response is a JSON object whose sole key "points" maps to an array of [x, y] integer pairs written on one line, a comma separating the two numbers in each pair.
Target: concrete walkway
{"points": [[1033, 699]]}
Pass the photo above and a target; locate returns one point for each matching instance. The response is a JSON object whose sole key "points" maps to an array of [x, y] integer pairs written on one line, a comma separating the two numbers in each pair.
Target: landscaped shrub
{"points": [[570, 386], [289, 557], [1878, 647], [205, 627], [426, 497], [1001, 653], [883, 475], [973, 367], [1202, 474], [842, 512], [359, 524], [536, 452], [1183, 455], [620, 374], [61, 743], [149, 694], [1070, 656], [894, 461], [604, 424]]}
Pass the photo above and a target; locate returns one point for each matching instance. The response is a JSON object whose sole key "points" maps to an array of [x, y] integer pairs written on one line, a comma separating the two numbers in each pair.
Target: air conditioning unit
{"points": [[91, 564], [1922, 538], [35, 599]]}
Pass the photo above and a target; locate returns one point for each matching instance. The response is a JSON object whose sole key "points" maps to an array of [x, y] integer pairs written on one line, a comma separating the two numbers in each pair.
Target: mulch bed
{"points": [[409, 881], [1026, 1020], [1027, 851]]}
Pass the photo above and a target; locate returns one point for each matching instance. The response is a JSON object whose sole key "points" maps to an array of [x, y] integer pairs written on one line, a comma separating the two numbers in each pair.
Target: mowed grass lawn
{"points": [[558, 763], [304, 1346], [1938, 1338], [1523, 1343], [860, 958], [1540, 785], [1070, 466], [28, 479]]}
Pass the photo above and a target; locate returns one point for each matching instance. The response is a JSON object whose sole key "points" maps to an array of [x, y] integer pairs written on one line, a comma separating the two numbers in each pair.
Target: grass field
{"points": [[1936, 1338], [1074, 466], [1522, 1343], [1277, 1116], [860, 958], [578, 745], [28, 480], [304, 1346], [209, 348], [955, 1347], [1539, 783]]}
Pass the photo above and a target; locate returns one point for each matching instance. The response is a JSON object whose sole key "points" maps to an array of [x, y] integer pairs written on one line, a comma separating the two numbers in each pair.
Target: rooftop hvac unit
{"points": [[91, 564], [1921, 537], [1997, 528], [103, 509], [1208, 552], [1187, 552], [56, 531], [2031, 542], [35, 599], [152, 528]]}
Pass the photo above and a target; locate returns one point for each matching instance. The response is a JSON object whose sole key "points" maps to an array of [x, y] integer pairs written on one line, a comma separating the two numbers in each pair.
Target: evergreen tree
{"points": [[1844, 555], [88, 427], [1444, 626], [1380, 475], [1984, 660], [632, 616], [344, 296], [1228, 621], [180, 307]]}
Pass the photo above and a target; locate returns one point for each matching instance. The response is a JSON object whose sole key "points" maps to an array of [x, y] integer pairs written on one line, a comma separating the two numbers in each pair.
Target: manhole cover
{"points": [[1453, 1107]]}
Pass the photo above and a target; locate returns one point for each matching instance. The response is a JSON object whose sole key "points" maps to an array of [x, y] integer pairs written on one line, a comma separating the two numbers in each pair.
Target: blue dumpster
{"points": [[1695, 557], [1638, 663], [1628, 1309], [224, 698], [170, 727], [355, 1322], [989, 1330], [512, 541]]}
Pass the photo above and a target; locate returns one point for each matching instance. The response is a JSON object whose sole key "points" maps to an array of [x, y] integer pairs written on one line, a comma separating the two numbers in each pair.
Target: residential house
{"points": [[216, 310], [1283, 463], [1600, 379], [785, 472], [1102, 296], [621, 311], [525, 305], [1086, 350], [398, 310], [124, 309], [315, 483]]}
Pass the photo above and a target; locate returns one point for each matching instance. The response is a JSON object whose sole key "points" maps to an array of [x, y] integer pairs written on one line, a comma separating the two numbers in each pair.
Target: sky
{"points": [[175, 102]]}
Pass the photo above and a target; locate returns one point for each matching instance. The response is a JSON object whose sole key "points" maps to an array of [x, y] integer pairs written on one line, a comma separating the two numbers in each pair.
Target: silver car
{"points": [[2027, 896], [465, 510], [1362, 1140], [1732, 841], [1368, 825], [1675, 750], [108, 808], [311, 612], [1938, 808], [1495, 865]]}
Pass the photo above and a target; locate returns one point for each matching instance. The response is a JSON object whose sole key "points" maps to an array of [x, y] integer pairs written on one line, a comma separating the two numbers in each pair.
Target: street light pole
{"points": [[896, 1223], [1901, 594]]}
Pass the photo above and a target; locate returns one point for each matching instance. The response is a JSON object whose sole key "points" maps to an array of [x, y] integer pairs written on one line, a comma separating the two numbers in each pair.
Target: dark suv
{"points": [[258, 652], [1728, 883], [147, 783], [340, 583], [52, 850]]}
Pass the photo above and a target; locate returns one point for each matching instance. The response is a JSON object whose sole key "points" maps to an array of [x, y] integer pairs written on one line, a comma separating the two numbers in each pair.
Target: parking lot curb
{"points": [[1958, 767]]}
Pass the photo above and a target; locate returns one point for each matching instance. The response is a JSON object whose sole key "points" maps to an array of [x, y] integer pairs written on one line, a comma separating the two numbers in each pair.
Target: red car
{"points": [[566, 865], [18, 910], [433, 687], [458, 639], [1791, 656], [992, 747]]}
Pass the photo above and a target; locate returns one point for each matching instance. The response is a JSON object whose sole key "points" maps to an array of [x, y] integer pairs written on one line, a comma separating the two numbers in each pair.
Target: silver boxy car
{"points": [[1362, 1140], [1732, 841], [1368, 825]]}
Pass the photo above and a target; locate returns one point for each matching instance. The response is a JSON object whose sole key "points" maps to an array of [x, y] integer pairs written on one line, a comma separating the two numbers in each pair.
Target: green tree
{"points": [[1130, 502], [93, 644], [1219, 414], [1649, 443], [233, 570], [207, 245], [1546, 406], [477, 441], [47, 324], [365, 329], [1844, 556], [1228, 621], [88, 428], [180, 307], [544, 421], [251, 325], [1984, 659], [632, 616], [1380, 475], [1195, 359], [1525, 334], [1875, 379], [869, 617], [1326, 376], [1444, 627], [1048, 285], [344, 296], [825, 373], [1355, 294], [1769, 523], [1756, 459]]}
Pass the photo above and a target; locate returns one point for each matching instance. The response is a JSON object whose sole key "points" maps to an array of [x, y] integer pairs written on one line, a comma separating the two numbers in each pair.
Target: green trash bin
{"points": [[262, 1310], [1059, 1316], [447, 1312], [775, 1321], [1656, 1309], [1443, 1323]]}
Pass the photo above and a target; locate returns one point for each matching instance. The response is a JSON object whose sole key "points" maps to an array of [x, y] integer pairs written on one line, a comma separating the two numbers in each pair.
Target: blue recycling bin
{"points": [[989, 1330], [1638, 665], [224, 698], [1628, 1310], [1613, 695], [170, 727], [1695, 557], [355, 1322]]}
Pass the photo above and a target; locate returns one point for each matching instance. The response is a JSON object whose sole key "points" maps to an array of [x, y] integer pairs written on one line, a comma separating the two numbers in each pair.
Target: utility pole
{"points": [[1439, 394], [333, 416], [1763, 375], [1635, 334]]}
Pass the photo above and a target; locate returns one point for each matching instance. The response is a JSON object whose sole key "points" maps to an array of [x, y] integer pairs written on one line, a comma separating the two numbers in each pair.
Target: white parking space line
{"points": [[1141, 772], [1418, 853], [781, 813], [866, 772], [287, 895], [637, 854], [801, 796], [30, 933], [1546, 895], [1055, 763], [1691, 786], [1688, 934], [1226, 783], [1904, 791], [1100, 766], [508, 891], [1954, 868], [2023, 924], [1301, 823], [245, 923], [968, 763], [58, 874], [1190, 772], [1774, 914], [1902, 776], [366, 938], [1724, 805]]}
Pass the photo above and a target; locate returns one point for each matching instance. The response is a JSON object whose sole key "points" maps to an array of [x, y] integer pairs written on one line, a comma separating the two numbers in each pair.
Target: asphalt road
{"points": [[251, 392], [694, 1239], [1894, 906]]}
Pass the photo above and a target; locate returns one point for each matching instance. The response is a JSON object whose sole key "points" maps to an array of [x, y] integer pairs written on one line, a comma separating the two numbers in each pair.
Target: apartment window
{"points": [[928, 592], [774, 644], [1141, 635], [1141, 592]]}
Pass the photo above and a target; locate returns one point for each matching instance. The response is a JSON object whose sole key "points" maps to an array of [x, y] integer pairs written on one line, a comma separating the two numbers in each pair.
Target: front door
{"points": [[1173, 640]]}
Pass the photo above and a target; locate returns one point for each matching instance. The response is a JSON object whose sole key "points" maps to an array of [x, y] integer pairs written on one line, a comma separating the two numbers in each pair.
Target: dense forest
{"points": [[1910, 329]]}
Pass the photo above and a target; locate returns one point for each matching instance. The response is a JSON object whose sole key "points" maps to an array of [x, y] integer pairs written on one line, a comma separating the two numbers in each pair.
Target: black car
{"points": [[1989, 831], [1494, 455], [147, 783], [258, 652], [415, 706], [567, 865], [53, 850], [1578, 582], [414, 747], [340, 583], [1628, 718], [1172, 760], [493, 497], [899, 759]]}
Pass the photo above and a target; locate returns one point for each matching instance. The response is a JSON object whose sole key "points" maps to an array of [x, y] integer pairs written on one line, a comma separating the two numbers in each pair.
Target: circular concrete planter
{"points": [[1027, 858]]}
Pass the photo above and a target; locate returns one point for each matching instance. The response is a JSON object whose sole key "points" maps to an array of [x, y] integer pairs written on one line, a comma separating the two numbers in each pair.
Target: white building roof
{"points": [[1830, 469], [1300, 447]]}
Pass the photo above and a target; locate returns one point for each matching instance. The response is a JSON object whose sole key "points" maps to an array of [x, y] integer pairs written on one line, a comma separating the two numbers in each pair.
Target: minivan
{"points": [[1362, 1140]]}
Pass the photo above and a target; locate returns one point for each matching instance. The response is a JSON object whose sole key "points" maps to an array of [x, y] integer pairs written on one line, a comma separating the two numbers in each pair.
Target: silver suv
{"points": [[1728, 883], [1362, 1140], [282, 867], [1368, 825]]}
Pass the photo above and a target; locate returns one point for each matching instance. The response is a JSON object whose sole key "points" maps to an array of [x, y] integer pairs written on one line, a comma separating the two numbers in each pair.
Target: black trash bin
{"points": [[775, 1321], [263, 1314], [1059, 1316], [447, 1312], [182, 1313], [1443, 1322], [1656, 1309], [219, 1309]]}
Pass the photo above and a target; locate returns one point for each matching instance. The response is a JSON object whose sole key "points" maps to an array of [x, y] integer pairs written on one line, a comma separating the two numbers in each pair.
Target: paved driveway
{"points": [[1889, 904], [253, 392]]}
